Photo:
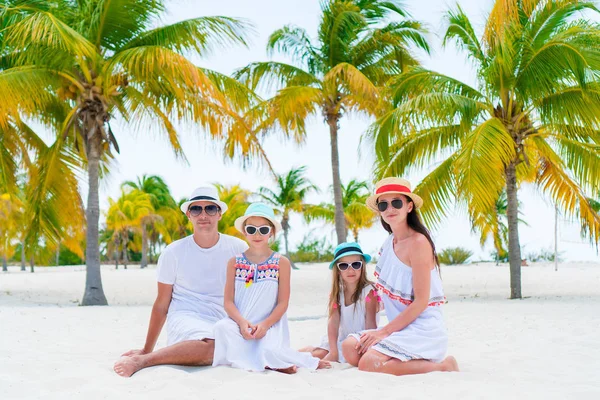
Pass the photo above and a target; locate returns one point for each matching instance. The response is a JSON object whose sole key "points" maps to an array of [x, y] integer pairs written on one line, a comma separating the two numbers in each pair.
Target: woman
{"points": [[415, 340]]}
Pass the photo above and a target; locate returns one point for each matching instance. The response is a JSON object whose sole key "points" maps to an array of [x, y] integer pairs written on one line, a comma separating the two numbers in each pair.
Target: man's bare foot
{"points": [[127, 366], [449, 364], [324, 364], [289, 370]]}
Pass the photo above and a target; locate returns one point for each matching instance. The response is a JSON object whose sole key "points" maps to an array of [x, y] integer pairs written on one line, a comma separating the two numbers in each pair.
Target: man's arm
{"points": [[157, 319]]}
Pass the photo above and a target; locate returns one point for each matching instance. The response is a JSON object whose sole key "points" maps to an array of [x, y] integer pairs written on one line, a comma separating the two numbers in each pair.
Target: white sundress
{"points": [[353, 319], [255, 303], [426, 337]]}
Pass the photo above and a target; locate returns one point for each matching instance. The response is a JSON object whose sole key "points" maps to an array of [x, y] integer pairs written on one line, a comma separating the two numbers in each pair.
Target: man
{"points": [[191, 276]]}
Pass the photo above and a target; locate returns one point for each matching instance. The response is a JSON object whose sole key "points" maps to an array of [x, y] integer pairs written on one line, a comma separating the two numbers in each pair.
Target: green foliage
{"points": [[543, 255], [313, 250], [454, 256]]}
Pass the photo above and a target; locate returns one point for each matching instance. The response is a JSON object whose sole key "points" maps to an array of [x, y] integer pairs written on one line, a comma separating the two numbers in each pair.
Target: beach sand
{"points": [[545, 346]]}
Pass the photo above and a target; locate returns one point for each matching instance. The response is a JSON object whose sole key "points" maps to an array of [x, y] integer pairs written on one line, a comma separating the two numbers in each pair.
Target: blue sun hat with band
{"points": [[348, 249]]}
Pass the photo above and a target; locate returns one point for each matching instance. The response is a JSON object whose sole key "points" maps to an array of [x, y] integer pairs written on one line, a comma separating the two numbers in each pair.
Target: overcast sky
{"points": [[148, 153]]}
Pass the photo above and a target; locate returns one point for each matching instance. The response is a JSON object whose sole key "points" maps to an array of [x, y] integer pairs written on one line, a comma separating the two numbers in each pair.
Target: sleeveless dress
{"points": [[352, 319], [423, 339], [255, 303]]}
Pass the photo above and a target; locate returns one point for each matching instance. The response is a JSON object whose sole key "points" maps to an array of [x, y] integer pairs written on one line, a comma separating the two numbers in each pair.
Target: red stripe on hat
{"points": [[392, 188]]}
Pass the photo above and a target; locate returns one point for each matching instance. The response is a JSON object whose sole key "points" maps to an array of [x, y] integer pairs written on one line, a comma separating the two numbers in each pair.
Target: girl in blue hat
{"points": [[256, 337], [353, 304]]}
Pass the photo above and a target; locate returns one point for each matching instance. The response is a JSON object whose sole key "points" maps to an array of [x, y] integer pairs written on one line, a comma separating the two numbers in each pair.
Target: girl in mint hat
{"points": [[256, 337], [353, 304]]}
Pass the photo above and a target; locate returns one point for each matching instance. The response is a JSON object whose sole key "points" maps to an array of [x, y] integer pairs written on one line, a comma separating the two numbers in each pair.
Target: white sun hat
{"points": [[204, 193]]}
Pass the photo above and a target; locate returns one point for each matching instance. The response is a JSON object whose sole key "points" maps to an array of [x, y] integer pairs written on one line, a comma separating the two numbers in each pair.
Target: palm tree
{"points": [[127, 215], [494, 225], [163, 206], [356, 51], [533, 117], [288, 196], [358, 216], [78, 65], [236, 199]]}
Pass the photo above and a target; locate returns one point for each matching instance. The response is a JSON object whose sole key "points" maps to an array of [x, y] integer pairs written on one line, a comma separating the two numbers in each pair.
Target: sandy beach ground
{"points": [[545, 346]]}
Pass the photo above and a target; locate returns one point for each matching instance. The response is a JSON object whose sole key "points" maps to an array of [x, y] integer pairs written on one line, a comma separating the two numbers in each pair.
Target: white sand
{"points": [[546, 346]]}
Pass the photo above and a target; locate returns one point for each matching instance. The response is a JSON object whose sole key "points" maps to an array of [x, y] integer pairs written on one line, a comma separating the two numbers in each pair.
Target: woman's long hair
{"points": [[414, 222], [335, 299]]}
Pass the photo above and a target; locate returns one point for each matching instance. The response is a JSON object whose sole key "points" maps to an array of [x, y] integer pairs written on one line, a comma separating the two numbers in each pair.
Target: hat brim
{"points": [[239, 223], [350, 253], [184, 206], [372, 200]]}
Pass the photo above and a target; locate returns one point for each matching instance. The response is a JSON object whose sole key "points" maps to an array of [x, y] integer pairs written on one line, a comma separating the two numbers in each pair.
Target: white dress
{"points": [[352, 320], [423, 339], [255, 303]]}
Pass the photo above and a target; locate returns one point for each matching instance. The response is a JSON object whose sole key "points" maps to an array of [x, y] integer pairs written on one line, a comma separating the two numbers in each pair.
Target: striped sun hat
{"points": [[396, 186]]}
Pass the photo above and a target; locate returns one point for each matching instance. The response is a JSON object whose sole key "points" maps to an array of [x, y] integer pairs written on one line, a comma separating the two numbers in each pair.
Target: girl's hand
{"points": [[245, 330], [259, 331], [369, 339]]}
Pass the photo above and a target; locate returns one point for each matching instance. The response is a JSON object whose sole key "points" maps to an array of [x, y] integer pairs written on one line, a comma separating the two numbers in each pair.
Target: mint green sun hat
{"points": [[348, 249], [258, 210]]}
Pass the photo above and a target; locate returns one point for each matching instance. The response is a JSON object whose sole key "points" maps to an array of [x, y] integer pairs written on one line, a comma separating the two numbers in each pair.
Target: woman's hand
{"points": [[369, 339], [259, 330], [246, 330]]}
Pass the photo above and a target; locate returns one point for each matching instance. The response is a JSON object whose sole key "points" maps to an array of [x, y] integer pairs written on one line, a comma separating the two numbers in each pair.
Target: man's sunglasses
{"points": [[210, 209], [383, 205], [263, 230], [342, 266]]}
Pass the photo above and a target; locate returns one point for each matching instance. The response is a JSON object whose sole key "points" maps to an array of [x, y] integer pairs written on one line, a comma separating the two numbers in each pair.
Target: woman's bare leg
{"points": [[374, 361]]}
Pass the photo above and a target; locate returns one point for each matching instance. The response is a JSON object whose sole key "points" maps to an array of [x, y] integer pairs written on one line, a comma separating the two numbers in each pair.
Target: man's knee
{"points": [[349, 351]]}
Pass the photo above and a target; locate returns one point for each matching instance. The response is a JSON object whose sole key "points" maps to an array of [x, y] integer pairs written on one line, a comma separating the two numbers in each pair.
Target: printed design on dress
{"points": [[398, 351], [246, 271], [404, 298]]}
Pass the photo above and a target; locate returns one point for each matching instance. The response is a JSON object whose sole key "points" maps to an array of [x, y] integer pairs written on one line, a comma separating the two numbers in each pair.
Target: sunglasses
{"points": [[342, 266], [396, 203], [211, 210], [263, 230]]}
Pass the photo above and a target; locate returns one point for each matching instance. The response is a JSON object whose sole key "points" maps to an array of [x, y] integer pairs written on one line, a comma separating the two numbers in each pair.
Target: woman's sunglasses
{"points": [[263, 230], [342, 266], [383, 205], [210, 209]]}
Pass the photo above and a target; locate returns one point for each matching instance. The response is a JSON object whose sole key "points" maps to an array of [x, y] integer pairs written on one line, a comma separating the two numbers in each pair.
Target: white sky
{"points": [[144, 152]]}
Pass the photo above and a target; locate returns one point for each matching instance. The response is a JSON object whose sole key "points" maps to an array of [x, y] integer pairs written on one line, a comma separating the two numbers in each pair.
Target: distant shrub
{"points": [[313, 250], [542, 255], [454, 256]]}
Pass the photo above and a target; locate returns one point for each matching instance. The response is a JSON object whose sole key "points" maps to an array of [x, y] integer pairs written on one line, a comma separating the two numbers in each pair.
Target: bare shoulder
{"points": [[284, 263], [420, 248]]}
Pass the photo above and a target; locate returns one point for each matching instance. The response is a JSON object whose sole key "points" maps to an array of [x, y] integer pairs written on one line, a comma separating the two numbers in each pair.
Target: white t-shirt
{"points": [[198, 275]]}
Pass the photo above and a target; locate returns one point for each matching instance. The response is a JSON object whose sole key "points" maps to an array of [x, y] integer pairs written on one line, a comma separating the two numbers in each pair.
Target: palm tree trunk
{"points": [[57, 254], [340, 219], [125, 257], [514, 247], [94, 294], [116, 253], [23, 256], [355, 234], [285, 225], [4, 260], [31, 264], [144, 262]]}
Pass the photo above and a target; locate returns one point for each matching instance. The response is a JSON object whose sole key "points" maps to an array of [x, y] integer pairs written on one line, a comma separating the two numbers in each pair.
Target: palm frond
{"points": [[274, 75], [201, 35]]}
